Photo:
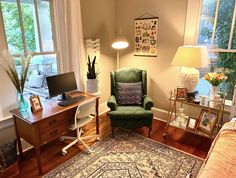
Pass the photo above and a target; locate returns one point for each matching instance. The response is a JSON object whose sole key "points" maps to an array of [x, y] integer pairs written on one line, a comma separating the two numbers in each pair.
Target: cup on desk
{"points": [[204, 100]]}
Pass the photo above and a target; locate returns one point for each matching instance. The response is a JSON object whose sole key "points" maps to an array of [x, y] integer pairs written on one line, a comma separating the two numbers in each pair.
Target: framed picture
{"points": [[145, 40], [35, 103], [181, 93], [207, 121], [192, 123], [233, 107]]}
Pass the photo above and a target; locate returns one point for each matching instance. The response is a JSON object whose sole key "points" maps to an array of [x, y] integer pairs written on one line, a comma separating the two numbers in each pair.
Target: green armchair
{"points": [[130, 107]]}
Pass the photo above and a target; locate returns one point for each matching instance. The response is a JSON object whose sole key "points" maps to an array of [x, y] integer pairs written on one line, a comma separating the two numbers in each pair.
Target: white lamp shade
{"points": [[120, 43], [191, 56]]}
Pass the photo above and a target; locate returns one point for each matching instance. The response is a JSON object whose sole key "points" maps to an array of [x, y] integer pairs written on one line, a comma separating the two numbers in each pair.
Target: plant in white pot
{"points": [[92, 81]]}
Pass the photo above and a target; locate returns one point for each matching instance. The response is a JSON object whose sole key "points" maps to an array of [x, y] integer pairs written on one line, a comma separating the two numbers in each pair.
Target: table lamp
{"points": [[119, 43], [189, 57]]}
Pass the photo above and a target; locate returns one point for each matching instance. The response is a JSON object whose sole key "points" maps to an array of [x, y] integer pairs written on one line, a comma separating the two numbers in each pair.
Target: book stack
{"points": [[193, 97]]}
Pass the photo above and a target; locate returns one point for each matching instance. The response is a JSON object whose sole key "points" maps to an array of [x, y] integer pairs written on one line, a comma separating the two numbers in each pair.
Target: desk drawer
{"points": [[52, 122], [52, 134]]}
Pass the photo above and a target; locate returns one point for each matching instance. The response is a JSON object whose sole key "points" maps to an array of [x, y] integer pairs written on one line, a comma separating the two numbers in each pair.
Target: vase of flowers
{"points": [[214, 90], [8, 66], [216, 78], [21, 102]]}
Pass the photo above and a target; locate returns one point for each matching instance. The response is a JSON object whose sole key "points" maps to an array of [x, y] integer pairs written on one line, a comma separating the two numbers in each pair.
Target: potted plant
{"points": [[92, 81]]}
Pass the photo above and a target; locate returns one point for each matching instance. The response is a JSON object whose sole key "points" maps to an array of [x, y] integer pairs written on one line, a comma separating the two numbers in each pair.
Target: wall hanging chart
{"points": [[146, 35]]}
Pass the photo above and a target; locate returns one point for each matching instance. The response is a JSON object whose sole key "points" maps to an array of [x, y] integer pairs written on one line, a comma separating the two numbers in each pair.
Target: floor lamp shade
{"points": [[189, 58], [119, 43]]}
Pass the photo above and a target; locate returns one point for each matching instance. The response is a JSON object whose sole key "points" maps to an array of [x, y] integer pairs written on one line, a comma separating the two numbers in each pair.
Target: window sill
{"points": [[6, 122], [9, 116]]}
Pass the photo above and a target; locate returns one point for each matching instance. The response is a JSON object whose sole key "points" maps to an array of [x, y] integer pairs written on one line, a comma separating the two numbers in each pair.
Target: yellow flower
{"points": [[215, 78]]}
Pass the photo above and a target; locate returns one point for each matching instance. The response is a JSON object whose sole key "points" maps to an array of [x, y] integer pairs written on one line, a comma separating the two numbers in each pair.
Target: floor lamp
{"points": [[118, 44]]}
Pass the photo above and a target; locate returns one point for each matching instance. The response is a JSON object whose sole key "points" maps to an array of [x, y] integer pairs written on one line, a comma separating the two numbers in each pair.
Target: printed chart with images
{"points": [[146, 37]]}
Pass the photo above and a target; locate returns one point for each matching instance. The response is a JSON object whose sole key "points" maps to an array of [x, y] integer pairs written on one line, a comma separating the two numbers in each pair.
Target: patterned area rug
{"points": [[128, 155]]}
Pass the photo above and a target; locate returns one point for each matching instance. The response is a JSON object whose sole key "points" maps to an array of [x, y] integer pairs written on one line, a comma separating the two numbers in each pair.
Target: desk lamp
{"points": [[189, 57], [119, 43]]}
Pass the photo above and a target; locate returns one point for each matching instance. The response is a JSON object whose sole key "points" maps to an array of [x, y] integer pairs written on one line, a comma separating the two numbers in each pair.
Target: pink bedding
{"points": [[221, 159]]}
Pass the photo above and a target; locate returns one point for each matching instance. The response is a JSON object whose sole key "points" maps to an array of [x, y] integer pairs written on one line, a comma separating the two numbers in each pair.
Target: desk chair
{"points": [[82, 117]]}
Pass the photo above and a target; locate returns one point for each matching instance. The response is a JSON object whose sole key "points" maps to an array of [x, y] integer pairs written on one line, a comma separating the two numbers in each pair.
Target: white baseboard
{"points": [[25, 145], [103, 108], [160, 114]]}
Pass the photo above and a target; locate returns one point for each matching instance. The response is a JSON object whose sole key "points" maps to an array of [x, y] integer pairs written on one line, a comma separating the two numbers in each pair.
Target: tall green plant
{"points": [[92, 73], [8, 66]]}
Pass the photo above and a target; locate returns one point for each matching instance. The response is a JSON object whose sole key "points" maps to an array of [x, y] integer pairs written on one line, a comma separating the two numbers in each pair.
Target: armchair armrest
{"points": [[147, 102], [111, 103]]}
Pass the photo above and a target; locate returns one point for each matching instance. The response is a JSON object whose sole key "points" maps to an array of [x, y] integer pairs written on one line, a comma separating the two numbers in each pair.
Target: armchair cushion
{"points": [[112, 103], [147, 102], [131, 112], [129, 93]]}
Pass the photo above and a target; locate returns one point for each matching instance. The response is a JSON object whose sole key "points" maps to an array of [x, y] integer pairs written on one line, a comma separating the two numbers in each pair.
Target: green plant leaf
{"points": [[91, 73]]}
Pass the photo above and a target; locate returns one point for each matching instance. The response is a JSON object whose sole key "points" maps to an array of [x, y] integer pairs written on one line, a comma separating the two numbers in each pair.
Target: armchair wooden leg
{"points": [[149, 131], [113, 132]]}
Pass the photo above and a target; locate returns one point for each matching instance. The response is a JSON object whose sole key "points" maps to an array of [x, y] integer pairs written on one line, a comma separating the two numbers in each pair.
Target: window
{"points": [[28, 27], [217, 30]]}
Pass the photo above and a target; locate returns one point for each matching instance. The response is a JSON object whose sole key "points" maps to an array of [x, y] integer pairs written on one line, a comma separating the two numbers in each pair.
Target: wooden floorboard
{"points": [[51, 153]]}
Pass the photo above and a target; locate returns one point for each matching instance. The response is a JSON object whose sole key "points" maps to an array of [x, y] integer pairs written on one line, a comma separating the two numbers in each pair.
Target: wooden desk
{"points": [[45, 126]]}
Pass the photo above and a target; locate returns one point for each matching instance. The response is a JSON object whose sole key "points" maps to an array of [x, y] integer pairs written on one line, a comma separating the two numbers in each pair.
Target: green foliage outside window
{"points": [[12, 26], [223, 27]]}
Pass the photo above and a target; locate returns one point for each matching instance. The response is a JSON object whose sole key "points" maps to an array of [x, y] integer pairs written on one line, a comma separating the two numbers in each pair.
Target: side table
{"points": [[217, 108]]}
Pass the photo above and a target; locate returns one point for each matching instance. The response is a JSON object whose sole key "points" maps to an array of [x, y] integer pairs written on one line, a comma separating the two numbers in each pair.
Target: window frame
{"points": [[55, 51], [212, 47]]}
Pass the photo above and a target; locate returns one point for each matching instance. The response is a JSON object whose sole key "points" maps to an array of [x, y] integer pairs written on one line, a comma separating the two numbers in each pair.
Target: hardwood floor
{"points": [[51, 153]]}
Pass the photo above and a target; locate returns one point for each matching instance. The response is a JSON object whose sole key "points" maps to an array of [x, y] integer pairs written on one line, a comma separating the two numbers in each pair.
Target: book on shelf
{"points": [[193, 97]]}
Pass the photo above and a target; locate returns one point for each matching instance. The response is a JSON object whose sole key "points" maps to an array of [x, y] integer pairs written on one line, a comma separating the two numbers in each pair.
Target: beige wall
{"points": [[162, 77], [7, 90], [101, 19], [98, 18]]}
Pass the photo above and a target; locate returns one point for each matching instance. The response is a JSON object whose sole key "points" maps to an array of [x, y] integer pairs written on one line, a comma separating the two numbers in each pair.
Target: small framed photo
{"points": [[181, 93], [207, 121], [35, 103], [192, 123]]}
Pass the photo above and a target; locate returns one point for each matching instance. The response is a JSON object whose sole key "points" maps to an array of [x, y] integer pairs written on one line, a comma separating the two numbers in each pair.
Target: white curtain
{"points": [[192, 22], [70, 44], [7, 89]]}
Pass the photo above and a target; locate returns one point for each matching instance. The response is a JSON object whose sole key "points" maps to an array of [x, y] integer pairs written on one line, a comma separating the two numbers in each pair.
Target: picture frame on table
{"points": [[192, 123], [181, 94], [35, 103], [207, 121]]}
